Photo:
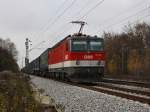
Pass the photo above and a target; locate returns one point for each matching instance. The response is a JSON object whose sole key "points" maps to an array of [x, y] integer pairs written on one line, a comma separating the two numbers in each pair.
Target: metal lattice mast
{"points": [[27, 51]]}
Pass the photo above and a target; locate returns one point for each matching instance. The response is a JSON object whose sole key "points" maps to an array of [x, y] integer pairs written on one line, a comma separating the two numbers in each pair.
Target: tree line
{"points": [[128, 52]]}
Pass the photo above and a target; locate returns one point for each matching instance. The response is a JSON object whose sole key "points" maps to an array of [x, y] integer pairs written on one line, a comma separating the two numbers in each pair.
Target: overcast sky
{"points": [[48, 20]]}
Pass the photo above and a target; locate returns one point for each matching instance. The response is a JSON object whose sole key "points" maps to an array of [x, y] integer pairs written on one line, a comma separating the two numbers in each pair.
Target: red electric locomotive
{"points": [[77, 58]]}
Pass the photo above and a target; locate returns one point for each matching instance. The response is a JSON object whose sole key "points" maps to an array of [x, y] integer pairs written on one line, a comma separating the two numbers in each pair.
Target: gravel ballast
{"points": [[76, 99]]}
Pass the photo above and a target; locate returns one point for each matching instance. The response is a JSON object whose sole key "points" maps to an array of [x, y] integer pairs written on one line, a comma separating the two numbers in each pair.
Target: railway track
{"points": [[126, 88], [130, 92], [125, 82]]}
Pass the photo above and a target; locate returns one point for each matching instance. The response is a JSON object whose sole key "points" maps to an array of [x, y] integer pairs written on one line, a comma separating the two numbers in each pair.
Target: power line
{"points": [[139, 19], [125, 19], [50, 19], [59, 16], [90, 10], [85, 6], [121, 13], [58, 9]]}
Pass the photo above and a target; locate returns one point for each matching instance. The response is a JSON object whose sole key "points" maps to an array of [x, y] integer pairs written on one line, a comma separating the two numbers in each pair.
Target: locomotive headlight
{"points": [[101, 63], [77, 62]]}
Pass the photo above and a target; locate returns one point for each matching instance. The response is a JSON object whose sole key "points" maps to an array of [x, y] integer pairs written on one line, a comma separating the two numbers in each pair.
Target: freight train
{"points": [[77, 58]]}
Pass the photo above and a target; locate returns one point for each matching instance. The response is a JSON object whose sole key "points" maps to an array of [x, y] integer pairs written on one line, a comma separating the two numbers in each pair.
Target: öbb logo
{"points": [[88, 57]]}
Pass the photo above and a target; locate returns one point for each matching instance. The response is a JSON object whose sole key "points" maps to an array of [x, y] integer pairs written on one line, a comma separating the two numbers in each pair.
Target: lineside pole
{"points": [[27, 51]]}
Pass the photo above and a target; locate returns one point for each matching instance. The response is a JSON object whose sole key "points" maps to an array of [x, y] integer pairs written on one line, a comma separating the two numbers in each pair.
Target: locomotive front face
{"points": [[86, 52], [86, 57]]}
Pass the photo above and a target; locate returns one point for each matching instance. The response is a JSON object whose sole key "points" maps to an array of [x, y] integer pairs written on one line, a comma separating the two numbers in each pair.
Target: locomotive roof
{"points": [[76, 36]]}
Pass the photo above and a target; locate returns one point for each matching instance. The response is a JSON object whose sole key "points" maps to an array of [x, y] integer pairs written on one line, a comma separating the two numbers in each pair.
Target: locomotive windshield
{"points": [[79, 45], [87, 45], [95, 46]]}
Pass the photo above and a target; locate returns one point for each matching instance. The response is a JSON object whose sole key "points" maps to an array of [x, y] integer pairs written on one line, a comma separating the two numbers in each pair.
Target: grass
{"points": [[16, 94]]}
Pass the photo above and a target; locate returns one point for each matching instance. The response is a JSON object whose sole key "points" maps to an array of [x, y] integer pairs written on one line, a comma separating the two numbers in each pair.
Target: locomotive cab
{"points": [[85, 60]]}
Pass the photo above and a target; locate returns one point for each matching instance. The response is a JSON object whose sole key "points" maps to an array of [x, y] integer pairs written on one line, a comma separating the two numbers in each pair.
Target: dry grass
{"points": [[16, 94]]}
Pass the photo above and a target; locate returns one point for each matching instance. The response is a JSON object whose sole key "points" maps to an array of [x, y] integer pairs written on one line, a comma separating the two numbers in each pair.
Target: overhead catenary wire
{"points": [[50, 18], [60, 15], [84, 7], [122, 12], [125, 19], [90, 10], [110, 19], [131, 16], [134, 23], [57, 10]]}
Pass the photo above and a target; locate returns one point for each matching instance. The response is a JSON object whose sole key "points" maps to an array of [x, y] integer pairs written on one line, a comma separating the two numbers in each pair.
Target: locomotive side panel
{"points": [[57, 56]]}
